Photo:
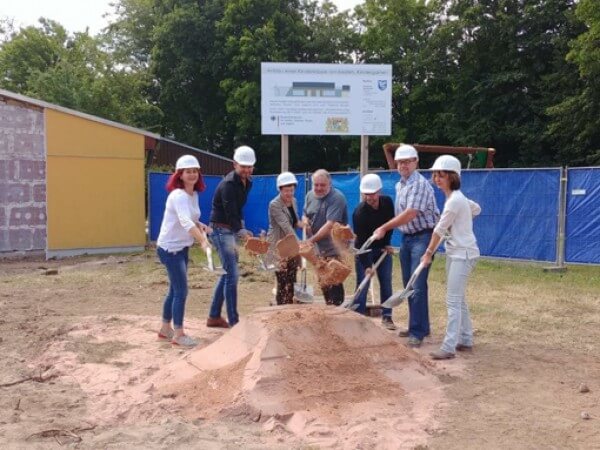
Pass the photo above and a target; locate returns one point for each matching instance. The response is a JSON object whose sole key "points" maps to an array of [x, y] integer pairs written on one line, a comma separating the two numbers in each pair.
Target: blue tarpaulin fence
{"points": [[582, 234], [519, 218]]}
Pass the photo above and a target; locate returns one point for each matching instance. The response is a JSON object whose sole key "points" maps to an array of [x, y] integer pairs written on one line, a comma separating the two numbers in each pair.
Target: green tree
{"points": [[575, 125], [75, 72], [509, 54], [30, 51], [396, 32], [187, 62]]}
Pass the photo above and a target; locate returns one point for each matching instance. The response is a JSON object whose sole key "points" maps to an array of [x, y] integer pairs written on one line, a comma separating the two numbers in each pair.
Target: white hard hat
{"points": [[187, 162], [448, 163], [244, 155], [370, 183], [286, 178], [405, 151]]}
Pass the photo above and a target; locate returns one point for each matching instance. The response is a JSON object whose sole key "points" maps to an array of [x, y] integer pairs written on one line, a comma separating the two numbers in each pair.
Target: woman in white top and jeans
{"points": [[180, 227], [461, 254]]}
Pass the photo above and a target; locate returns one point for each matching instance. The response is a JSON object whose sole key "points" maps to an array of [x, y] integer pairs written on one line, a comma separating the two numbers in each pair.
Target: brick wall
{"points": [[22, 178]]}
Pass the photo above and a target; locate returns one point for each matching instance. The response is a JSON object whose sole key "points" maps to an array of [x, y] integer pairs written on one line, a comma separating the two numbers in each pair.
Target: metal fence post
{"points": [[562, 219]]}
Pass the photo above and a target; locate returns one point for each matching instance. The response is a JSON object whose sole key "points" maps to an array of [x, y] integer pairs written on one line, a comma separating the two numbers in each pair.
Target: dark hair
{"points": [[175, 182], [454, 180]]}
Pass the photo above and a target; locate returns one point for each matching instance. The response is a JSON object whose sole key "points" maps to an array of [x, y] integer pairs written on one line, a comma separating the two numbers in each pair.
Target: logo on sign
{"points": [[382, 85]]}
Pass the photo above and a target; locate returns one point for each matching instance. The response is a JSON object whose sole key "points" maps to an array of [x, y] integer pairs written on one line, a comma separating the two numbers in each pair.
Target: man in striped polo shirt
{"points": [[416, 216]]}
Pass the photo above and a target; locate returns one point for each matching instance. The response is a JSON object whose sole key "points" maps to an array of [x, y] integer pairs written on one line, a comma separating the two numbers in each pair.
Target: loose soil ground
{"points": [[81, 366]]}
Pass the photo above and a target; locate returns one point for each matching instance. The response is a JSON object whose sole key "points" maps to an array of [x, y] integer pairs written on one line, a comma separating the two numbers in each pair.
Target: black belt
{"points": [[426, 230]]}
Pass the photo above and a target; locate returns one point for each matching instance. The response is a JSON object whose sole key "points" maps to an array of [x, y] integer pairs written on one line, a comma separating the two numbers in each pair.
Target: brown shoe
{"points": [[216, 322], [403, 333], [464, 348], [441, 354]]}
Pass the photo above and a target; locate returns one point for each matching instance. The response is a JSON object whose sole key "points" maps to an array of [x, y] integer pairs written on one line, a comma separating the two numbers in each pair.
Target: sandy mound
{"points": [[306, 369], [308, 375]]}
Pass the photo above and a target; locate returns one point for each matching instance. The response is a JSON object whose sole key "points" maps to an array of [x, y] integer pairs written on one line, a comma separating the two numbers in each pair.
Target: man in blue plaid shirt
{"points": [[416, 216]]}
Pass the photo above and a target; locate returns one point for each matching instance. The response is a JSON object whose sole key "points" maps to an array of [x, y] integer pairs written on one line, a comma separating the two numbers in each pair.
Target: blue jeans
{"points": [[413, 247], [174, 304], [226, 290], [459, 329], [384, 275]]}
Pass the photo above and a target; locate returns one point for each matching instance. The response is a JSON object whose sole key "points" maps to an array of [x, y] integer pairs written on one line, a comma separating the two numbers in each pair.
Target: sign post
{"points": [[285, 152], [364, 155]]}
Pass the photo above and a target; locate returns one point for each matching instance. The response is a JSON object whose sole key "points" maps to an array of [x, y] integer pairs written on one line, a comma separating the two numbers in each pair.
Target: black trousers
{"points": [[286, 277]]}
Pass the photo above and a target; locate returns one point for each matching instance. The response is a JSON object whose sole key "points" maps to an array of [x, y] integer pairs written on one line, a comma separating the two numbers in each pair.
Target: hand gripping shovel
{"points": [[349, 303], [211, 263], [398, 297]]}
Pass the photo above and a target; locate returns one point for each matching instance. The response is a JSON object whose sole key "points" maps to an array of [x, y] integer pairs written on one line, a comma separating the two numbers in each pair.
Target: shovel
{"points": [[264, 266], [364, 248], [304, 293], [211, 263], [349, 303], [398, 297]]}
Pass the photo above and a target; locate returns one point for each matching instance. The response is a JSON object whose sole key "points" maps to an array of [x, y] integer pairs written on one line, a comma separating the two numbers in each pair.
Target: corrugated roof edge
{"points": [[43, 104]]}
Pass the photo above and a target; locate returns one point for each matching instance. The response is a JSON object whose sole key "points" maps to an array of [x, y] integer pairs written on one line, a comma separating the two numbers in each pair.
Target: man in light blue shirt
{"points": [[416, 216]]}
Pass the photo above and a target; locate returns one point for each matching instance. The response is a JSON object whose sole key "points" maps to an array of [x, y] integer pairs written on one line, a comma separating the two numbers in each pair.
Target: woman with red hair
{"points": [[180, 227]]}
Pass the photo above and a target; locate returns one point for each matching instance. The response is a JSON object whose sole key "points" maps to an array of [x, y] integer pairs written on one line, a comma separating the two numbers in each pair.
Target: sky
{"points": [[76, 15]]}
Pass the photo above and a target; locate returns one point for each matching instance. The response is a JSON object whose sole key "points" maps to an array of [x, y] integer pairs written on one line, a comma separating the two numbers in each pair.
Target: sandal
{"points": [[184, 341]]}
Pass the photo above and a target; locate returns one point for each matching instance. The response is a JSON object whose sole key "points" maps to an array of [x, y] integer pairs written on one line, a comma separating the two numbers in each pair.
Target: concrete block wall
{"points": [[22, 178]]}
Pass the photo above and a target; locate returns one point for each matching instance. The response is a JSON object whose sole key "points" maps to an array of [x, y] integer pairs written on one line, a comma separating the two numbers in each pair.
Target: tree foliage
{"points": [[522, 76], [75, 71], [575, 127]]}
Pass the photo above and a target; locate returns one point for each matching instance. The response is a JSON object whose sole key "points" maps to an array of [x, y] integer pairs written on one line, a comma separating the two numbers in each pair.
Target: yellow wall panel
{"points": [[95, 184], [95, 203], [68, 135]]}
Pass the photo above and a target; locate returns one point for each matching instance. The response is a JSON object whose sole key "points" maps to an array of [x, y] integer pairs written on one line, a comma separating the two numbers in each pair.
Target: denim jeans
{"points": [[174, 304], [413, 247], [459, 329], [384, 275], [226, 290]]}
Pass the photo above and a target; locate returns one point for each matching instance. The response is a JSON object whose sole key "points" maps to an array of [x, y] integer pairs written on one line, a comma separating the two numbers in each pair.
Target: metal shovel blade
{"points": [[357, 252], [303, 294], [264, 266], [348, 303], [365, 247], [211, 264], [397, 298]]}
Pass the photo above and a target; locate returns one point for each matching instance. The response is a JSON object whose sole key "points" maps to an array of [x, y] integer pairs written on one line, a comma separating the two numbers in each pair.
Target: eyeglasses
{"points": [[405, 162]]}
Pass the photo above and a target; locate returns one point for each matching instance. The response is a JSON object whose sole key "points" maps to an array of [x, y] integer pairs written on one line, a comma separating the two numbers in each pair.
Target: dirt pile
{"points": [[303, 368]]}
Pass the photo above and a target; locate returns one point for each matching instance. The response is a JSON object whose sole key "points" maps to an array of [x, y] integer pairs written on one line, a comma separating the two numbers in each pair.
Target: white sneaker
{"points": [[184, 341]]}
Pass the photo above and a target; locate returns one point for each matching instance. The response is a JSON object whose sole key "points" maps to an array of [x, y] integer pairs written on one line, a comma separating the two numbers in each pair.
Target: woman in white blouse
{"points": [[462, 252], [180, 227]]}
